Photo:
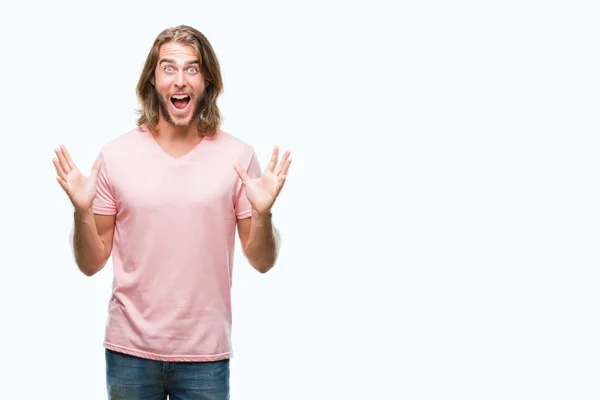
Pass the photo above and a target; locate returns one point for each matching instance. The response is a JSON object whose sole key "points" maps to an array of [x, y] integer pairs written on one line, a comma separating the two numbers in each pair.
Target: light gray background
{"points": [[440, 222]]}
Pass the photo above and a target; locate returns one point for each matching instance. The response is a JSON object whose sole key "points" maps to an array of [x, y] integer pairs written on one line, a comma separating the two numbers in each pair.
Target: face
{"points": [[178, 83]]}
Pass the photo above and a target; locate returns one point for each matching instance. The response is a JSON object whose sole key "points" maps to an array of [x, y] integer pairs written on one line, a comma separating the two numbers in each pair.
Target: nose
{"points": [[180, 79]]}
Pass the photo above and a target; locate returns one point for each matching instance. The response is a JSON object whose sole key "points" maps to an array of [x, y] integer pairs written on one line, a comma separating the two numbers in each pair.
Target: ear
{"points": [[152, 81]]}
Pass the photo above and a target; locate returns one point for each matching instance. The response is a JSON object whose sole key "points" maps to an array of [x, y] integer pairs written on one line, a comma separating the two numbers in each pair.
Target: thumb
{"points": [[242, 174], [96, 169]]}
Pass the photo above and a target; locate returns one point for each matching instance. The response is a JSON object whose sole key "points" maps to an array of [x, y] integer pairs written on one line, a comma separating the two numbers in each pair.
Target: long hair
{"points": [[209, 117]]}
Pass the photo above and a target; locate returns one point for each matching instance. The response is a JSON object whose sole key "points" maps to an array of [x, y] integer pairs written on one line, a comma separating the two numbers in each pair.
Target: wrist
{"points": [[84, 214], [261, 217]]}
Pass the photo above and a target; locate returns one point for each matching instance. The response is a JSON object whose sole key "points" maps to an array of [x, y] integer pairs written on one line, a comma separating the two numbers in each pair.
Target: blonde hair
{"points": [[209, 116]]}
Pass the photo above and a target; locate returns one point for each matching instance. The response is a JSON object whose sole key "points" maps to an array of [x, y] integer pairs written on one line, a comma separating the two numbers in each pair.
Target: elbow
{"points": [[263, 266], [264, 270], [263, 262], [92, 268], [89, 271], [262, 252]]}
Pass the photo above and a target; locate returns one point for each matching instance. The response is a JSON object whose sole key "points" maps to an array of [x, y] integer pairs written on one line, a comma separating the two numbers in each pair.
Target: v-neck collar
{"points": [[150, 137]]}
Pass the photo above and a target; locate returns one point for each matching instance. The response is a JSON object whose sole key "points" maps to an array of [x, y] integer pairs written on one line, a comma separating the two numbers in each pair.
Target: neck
{"points": [[168, 132]]}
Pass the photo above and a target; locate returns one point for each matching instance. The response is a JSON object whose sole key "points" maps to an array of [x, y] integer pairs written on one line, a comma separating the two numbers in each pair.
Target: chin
{"points": [[180, 122]]}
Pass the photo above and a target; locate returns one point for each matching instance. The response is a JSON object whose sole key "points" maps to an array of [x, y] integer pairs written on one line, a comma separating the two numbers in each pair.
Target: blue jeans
{"points": [[130, 377]]}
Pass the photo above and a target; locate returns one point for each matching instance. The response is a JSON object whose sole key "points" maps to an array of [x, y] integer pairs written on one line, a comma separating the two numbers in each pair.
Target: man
{"points": [[165, 200]]}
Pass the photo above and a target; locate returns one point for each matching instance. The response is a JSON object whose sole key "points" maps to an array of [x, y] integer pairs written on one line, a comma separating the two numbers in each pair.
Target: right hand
{"points": [[80, 189]]}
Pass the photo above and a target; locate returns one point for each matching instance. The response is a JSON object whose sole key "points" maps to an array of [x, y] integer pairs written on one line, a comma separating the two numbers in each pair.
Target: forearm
{"points": [[88, 248], [263, 243]]}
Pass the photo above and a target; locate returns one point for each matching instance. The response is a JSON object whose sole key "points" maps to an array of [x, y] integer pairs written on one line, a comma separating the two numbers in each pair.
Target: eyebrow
{"points": [[170, 61]]}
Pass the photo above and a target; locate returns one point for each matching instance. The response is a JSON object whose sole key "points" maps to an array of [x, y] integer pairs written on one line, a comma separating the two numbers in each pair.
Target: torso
{"points": [[173, 248]]}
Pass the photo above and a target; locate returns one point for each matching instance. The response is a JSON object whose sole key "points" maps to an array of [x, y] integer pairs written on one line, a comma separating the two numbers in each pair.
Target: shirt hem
{"points": [[104, 211], [170, 358], [244, 215]]}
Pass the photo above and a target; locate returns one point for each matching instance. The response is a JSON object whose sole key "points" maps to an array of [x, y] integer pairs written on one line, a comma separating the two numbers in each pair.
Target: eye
{"points": [[192, 70], [169, 69]]}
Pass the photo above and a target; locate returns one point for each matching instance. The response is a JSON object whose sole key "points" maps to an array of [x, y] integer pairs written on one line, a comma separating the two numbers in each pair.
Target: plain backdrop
{"points": [[440, 221]]}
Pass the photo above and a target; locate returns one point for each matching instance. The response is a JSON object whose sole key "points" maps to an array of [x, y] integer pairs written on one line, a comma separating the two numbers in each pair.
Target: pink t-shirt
{"points": [[173, 244]]}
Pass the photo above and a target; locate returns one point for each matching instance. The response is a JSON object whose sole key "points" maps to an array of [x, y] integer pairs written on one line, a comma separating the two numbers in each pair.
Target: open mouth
{"points": [[180, 101]]}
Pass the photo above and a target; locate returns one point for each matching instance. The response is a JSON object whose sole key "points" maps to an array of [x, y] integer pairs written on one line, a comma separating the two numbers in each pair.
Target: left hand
{"points": [[263, 191]]}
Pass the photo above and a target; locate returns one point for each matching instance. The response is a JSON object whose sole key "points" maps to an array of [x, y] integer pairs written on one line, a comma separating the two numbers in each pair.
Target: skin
{"points": [[92, 234], [177, 72]]}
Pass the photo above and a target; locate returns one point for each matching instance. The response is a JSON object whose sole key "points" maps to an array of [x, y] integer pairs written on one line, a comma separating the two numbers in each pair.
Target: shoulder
{"points": [[126, 139], [124, 143], [230, 142], [231, 146], [119, 152]]}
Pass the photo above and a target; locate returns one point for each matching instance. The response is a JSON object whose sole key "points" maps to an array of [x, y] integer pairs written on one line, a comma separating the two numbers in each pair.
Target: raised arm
{"points": [[259, 238], [92, 233]]}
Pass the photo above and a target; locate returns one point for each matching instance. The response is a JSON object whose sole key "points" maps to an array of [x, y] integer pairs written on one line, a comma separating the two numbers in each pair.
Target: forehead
{"points": [[177, 51]]}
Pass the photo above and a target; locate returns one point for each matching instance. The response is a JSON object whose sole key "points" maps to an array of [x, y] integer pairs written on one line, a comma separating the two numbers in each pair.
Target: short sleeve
{"points": [[104, 203], [243, 209]]}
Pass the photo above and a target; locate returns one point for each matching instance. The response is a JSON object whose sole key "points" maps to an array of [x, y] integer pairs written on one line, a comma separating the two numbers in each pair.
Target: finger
{"points": [[273, 161], [242, 174], [286, 166], [59, 171], [284, 159], [62, 160], [63, 184], [70, 162], [280, 183]]}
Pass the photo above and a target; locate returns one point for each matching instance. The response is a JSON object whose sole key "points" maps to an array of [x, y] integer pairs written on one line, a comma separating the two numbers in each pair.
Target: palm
{"points": [[81, 189], [262, 191]]}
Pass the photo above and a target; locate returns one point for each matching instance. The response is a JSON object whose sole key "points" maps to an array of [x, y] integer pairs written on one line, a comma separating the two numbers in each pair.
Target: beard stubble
{"points": [[164, 109]]}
